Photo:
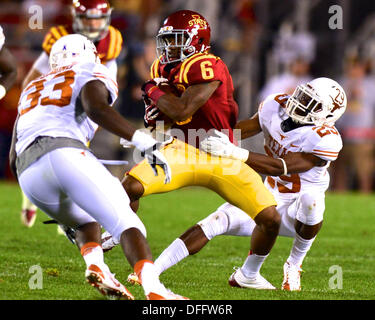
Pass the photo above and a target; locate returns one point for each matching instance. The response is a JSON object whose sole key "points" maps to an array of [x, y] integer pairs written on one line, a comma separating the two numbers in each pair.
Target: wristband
{"points": [[155, 93], [284, 166], [2, 91]]}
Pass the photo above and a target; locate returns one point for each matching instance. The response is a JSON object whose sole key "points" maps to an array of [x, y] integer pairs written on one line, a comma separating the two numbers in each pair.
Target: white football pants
{"points": [[74, 188], [307, 208]]}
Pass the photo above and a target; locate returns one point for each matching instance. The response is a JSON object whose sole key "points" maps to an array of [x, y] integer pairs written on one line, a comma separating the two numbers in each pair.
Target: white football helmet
{"points": [[321, 102], [72, 49]]}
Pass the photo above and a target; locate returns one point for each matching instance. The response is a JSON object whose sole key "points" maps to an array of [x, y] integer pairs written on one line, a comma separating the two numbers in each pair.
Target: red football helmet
{"points": [[183, 34], [91, 18]]}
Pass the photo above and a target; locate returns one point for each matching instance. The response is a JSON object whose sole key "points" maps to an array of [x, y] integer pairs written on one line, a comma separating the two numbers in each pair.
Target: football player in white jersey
{"points": [[58, 114], [8, 67], [300, 142]]}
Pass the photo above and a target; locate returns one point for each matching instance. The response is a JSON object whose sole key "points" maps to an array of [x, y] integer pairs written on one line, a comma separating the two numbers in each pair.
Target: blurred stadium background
{"points": [[268, 45]]}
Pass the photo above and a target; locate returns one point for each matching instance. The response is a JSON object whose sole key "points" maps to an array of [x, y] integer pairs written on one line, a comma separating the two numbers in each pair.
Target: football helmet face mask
{"points": [[72, 49], [91, 18], [183, 34], [320, 102]]}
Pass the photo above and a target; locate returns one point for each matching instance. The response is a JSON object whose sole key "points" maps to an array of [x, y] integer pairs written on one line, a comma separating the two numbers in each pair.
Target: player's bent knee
{"points": [[269, 220], [310, 209], [215, 224], [133, 188], [128, 221]]}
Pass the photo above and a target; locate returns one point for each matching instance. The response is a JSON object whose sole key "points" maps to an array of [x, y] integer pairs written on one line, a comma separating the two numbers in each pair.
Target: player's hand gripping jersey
{"points": [[322, 141], [50, 105], [220, 111]]}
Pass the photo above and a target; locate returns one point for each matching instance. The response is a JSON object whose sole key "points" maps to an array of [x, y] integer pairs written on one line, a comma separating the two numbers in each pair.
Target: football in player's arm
{"points": [[300, 142], [8, 67], [205, 102]]}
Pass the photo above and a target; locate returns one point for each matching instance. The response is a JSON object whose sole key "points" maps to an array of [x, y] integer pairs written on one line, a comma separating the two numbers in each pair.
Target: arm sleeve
{"points": [[93, 71], [324, 142], [112, 67], [201, 69]]}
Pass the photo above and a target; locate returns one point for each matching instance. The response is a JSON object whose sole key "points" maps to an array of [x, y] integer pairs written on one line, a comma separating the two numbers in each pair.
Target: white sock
{"points": [[173, 254], [252, 265], [150, 279], [299, 250], [93, 255]]}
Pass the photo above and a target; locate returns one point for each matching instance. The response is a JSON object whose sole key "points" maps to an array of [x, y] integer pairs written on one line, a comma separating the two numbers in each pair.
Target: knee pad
{"points": [[215, 224], [130, 220], [310, 208]]}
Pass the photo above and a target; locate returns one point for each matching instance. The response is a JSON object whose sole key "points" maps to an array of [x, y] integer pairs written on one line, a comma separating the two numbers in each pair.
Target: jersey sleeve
{"points": [[94, 71], [52, 36], [115, 43], [269, 106], [2, 38], [323, 142], [202, 68]]}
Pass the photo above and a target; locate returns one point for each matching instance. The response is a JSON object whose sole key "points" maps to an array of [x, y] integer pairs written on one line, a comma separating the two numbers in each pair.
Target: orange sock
{"points": [[88, 247]]}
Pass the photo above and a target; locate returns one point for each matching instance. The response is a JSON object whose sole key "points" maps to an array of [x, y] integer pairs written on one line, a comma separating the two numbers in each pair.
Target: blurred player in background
{"points": [[8, 75], [8, 67], [92, 19], [204, 102], [301, 142], [58, 115]]}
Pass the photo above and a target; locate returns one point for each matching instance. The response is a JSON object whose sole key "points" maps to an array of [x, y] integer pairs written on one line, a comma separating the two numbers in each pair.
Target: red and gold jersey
{"points": [[220, 111], [108, 48]]}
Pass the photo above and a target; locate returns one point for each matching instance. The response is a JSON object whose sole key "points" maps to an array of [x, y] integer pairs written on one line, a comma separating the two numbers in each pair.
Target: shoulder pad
{"points": [[52, 36]]}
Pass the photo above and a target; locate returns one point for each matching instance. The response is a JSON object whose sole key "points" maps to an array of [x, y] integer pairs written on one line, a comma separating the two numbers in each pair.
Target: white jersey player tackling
{"points": [[58, 114], [300, 141]]}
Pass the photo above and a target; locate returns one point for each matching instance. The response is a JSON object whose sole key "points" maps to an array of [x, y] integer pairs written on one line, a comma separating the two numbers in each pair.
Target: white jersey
{"points": [[321, 141], [2, 38], [50, 105]]}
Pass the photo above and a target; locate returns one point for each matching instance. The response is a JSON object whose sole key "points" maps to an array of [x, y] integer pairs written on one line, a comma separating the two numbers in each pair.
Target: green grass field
{"points": [[346, 240]]}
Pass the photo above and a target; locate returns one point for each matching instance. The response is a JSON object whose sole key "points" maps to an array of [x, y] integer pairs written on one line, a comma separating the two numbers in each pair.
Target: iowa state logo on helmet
{"points": [[197, 20]]}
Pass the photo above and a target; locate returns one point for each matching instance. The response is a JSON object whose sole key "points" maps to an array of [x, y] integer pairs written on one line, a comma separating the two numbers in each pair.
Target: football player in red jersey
{"points": [[205, 102], [91, 18]]}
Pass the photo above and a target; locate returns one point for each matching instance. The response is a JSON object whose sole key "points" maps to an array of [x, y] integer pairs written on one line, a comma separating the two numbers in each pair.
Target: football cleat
{"points": [[292, 277], [28, 217], [134, 279], [165, 295], [238, 279], [106, 283], [108, 242]]}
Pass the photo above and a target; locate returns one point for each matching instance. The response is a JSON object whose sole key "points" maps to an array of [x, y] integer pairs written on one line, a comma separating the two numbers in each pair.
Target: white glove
{"points": [[220, 146], [160, 80], [149, 148]]}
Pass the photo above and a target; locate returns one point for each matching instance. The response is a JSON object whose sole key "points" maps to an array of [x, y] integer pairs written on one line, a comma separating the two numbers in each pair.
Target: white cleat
{"points": [[292, 277], [108, 242], [106, 283], [238, 279], [164, 294]]}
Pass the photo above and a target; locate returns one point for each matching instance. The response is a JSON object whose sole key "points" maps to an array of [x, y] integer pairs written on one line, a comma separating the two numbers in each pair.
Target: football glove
{"points": [[220, 146], [149, 150]]}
